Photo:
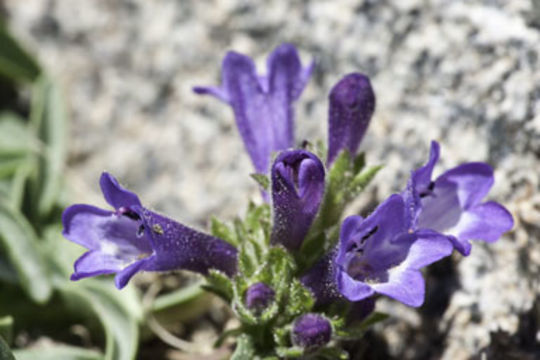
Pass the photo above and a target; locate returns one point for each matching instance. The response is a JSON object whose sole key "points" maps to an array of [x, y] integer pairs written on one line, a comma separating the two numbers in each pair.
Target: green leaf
{"points": [[262, 180], [5, 353], [245, 349], [23, 251], [357, 331], [15, 137], [58, 352], [49, 120], [118, 313], [15, 62], [361, 180], [300, 300], [218, 283], [290, 352], [178, 297], [6, 328], [223, 231]]}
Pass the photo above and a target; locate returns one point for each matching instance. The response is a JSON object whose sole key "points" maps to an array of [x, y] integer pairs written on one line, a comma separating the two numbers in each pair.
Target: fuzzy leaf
{"points": [[361, 180], [245, 349], [223, 231], [262, 180], [219, 284]]}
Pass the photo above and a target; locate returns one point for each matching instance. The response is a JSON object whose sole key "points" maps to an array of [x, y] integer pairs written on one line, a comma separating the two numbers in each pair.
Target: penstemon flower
{"points": [[451, 204], [299, 278], [262, 104], [297, 191], [132, 238], [352, 103], [379, 254]]}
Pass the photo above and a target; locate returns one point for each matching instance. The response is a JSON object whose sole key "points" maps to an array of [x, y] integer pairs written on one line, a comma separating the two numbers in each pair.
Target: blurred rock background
{"points": [[465, 73]]}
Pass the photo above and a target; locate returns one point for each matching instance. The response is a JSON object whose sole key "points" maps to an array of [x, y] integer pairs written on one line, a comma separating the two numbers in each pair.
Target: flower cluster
{"points": [[295, 256]]}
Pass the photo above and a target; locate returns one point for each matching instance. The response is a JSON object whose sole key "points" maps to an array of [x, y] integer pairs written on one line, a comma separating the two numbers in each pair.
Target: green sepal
{"points": [[245, 349], [220, 284], [262, 180], [290, 352]]}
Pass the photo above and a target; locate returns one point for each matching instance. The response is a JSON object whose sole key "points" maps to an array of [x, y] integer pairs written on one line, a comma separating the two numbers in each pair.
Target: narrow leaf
{"points": [[58, 352], [49, 119], [15, 62], [22, 248], [262, 180]]}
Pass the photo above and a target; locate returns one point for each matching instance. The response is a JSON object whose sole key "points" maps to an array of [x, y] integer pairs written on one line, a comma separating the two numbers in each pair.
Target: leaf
{"points": [[245, 349], [49, 119], [178, 297], [22, 249], [5, 353], [357, 331], [15, 137], [6, 328], [58, 352], [223, 231], [262, 180], [116, 312], [361, 180], [219, 284], [15, 62], [300, 299]]}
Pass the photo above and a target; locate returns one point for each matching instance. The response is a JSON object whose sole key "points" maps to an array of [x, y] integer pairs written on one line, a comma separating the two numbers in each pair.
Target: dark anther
{"points": [[369, 234], [130, 214], [428, 191], [140, 231]]}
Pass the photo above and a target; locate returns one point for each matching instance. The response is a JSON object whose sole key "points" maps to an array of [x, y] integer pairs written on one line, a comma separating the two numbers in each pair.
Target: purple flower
{"points": [[262, 104], [132, 238], [311, 331], [258, 296], [352, 103], [451, 204], [379, 254], [297, 190]]}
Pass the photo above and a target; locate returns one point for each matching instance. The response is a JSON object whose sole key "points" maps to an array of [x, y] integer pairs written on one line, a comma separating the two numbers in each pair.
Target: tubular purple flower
{"points": [[451, 204], [352, 103], [132, 239], [262, 104], [297, 191], [258, 296], [311, 331], [381, 254]]}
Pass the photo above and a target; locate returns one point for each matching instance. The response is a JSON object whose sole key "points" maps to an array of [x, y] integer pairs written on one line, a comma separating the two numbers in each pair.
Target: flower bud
{"points": [[311, 331], [258, 296]]}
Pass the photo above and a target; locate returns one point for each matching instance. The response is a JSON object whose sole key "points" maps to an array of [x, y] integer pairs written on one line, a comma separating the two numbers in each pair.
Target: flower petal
{"points": [[487, 222], [472, 180], [429, 247], [405, 285], [422, 176], [116, 195], [122, 277], [262, 104], [352, 103], [102, 230], [93, 263], [353, 290]]}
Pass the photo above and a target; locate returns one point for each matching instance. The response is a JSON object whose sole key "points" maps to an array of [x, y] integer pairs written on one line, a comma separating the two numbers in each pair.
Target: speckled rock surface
{"points": [[464, 73]]}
